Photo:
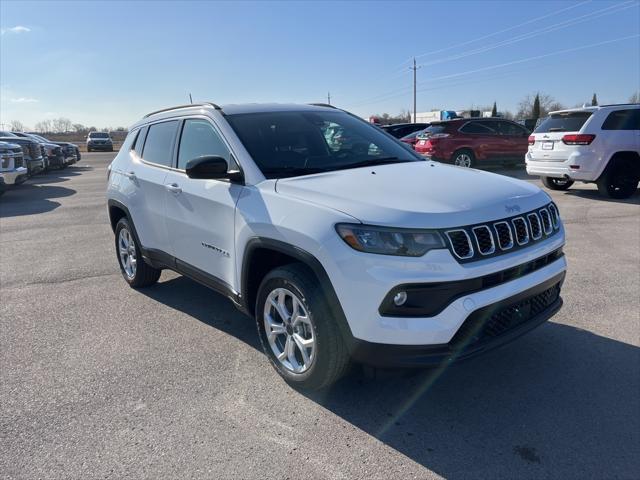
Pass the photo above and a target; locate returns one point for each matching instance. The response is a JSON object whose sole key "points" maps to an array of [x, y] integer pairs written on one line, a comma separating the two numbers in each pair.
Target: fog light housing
{"points": [[400, 298]]}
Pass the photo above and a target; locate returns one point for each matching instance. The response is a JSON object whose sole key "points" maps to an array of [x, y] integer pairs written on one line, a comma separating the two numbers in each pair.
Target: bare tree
{"points": [[16, 126], [43, 127], [635, 98], [79, 128], [61, 125], [547, 104]]}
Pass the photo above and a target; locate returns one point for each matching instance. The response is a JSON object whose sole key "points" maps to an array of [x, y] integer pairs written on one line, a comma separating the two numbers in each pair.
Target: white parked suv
{"points": [[590, 144], [360, 251]]}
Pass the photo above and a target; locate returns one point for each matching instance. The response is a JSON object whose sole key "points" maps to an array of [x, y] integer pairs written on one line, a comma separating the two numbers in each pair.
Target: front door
{"points": [[200, 214]]}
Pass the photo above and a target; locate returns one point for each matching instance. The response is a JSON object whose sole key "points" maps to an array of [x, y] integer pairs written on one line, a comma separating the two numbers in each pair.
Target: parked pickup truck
{"points": [[34, 161], [53, 153], [12, 170]]}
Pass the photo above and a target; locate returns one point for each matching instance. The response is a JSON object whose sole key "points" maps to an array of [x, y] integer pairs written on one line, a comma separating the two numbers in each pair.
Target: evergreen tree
{"points": [[535, 112], [494, 110], [594, 101]]}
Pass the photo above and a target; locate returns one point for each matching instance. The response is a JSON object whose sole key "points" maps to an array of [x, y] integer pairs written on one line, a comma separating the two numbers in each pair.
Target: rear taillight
{"points": [[532, 140], [578, 139]]}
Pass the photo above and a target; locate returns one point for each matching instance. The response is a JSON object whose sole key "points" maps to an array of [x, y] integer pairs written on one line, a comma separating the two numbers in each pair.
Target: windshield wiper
{"points": [[371, 163], [291, 171]]}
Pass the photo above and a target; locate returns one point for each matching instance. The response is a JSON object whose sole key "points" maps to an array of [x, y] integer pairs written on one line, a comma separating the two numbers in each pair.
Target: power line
{"points": [[564, 24], [515, 62], [493, 34], [525, 36]]}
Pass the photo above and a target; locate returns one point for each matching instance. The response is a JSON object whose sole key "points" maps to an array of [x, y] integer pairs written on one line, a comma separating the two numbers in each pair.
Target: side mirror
{"points": [[207, 167]]}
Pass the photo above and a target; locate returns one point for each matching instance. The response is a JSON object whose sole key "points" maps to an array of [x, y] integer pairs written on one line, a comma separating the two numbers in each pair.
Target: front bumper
{"points": [[14, 177], [487, 328], [362, 282], [100, 146]]}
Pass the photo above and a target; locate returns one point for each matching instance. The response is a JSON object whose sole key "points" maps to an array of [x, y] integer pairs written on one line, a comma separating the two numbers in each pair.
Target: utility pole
{"points": [[190, 99], [414, 68], [328, 98]]}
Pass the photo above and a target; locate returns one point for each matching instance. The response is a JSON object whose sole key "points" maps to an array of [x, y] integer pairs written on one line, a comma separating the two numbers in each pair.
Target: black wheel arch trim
{"points": [[306, 259]]}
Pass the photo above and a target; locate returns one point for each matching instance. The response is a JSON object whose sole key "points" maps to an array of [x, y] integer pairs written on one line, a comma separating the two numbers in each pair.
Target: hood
{"points": [[417, 194], [8, 145]]}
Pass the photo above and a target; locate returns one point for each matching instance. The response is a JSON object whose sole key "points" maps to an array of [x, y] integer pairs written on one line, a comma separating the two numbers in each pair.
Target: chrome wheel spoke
{"points": [[303, 345], [289, 330]]}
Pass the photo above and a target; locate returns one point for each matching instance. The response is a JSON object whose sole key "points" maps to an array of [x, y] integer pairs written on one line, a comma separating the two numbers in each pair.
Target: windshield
{"points": [[304, 142], [563, 122], [6, 134], [99, 135]]}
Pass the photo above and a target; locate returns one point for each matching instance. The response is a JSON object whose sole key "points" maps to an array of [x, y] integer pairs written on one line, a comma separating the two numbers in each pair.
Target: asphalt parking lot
{"points": [[101, 381]]}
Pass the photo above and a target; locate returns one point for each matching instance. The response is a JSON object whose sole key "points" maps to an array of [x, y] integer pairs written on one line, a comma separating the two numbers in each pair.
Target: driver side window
{"points": [[199, 138]]}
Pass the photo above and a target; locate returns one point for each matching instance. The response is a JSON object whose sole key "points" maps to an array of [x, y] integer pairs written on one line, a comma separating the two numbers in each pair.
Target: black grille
{"points": [[555, 217], [534, 225], [503, 231], [487, 324], [18, 161], [546, 221], [460, 243], [473, 242], [521, 231], [484, 240]]}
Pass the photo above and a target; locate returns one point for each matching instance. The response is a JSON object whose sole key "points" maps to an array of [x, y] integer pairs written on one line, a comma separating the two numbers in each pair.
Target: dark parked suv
{"points": [[474, 142], [400, 130]]}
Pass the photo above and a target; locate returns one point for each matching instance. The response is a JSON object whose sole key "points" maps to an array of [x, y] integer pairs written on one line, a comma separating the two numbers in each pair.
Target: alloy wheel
{"points": [[127, 253], [289, 330], [463, 160]]}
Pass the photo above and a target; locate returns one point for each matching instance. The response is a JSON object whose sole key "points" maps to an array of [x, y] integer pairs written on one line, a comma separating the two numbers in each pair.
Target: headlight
{"points": [[389, 241], [5, 158]]}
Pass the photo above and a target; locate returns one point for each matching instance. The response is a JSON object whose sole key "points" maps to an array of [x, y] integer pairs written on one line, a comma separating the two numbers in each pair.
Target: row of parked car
{"points": [[596, 144], [26, 154]]}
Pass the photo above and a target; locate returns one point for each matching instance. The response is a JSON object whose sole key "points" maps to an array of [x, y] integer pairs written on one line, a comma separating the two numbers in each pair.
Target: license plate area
{"points": [[547, 145]]}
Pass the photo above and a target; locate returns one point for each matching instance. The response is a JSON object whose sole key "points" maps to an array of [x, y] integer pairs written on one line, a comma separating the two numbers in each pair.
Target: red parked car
{"points": [[474, 142]]}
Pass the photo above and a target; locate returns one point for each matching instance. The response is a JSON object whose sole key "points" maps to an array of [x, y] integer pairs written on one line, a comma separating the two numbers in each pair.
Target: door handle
{"points": [[130, 175], [173, 188]]}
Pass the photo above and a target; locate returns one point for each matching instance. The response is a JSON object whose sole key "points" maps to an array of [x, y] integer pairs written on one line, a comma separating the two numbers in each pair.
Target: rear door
{"points": [[621, 130], [516, 140], [548, 144], [484, 140], [152, 157], [200, 214]]}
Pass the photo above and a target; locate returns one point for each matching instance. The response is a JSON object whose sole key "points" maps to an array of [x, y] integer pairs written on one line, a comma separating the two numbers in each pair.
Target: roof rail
{"points": [[620, 105], [203, 104], [323, 105]]}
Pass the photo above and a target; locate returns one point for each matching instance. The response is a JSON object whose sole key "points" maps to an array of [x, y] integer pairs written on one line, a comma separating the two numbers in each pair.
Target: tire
{"points": [[88, 150], [618, 181], [327, 355], [464, 158], [138, 274], [553, 183]]}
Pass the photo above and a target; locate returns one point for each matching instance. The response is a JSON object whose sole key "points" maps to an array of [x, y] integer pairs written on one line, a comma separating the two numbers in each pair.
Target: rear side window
{"points": [[623, 120], [137, 146], [158, 148], [511, 129], [563, 122], [198, 139], [477, 128]]}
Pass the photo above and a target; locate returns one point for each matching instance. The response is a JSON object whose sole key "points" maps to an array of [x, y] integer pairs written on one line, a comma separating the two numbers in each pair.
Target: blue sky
{"points": [[108, 63]]}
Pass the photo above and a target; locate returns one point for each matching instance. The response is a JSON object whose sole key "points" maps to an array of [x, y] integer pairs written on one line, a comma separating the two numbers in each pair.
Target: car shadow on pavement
{"points": [[29, 199], [559, 403], [592, 194], [205, 305]]}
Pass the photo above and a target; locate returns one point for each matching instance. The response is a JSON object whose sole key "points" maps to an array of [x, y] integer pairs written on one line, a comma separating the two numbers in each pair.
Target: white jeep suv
{"points": [[590, 144], [359, 251]]}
